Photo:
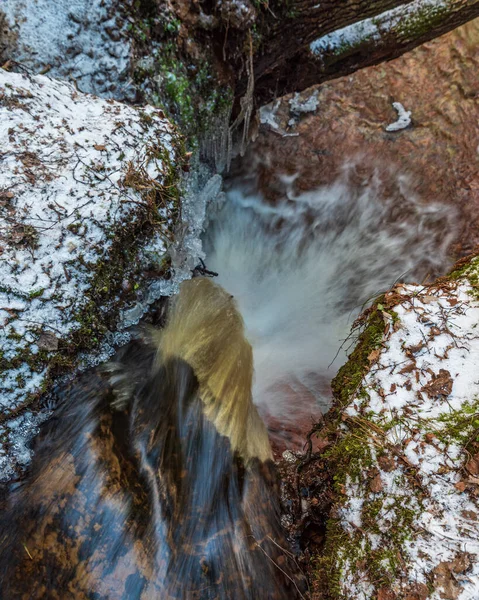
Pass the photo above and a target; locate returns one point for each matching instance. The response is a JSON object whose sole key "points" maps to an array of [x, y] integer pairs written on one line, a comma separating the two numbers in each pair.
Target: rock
{"points": [[411, 512], [47, 341], [436, 157], [76, 172]]}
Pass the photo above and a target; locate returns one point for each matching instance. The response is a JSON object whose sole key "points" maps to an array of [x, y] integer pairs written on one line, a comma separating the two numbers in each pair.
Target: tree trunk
{"points": [[331, 43], [269, 49]]}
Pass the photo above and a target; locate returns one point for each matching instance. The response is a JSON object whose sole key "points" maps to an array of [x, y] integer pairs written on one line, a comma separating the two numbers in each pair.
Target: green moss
{"points": [[36, 293], [414, 24], [468, 268], [105, 296], [191, 97], [357, 441], [186, 89], [459, 426], [350, 375]]}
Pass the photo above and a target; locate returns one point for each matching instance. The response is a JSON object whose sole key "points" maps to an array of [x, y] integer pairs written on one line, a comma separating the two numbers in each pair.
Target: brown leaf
{"points": [[392, 389], [416, 348], [387, 463], [99, 147], [376, 485], [386, 594], [417, 591], [460, 486], [408, 368], [473, 465], [374, 355], [440, 384]]}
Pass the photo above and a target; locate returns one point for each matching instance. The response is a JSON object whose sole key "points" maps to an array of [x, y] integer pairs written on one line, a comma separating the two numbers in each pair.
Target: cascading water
{"points": [[155, 478], [301, 267]]}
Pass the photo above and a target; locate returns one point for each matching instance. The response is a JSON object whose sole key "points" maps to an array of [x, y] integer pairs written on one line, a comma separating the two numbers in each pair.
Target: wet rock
{"points": [[437, 82]]}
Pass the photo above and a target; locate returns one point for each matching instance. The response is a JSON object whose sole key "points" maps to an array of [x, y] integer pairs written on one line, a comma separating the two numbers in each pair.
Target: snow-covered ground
{"points": [[410, 514], [84, 41]]}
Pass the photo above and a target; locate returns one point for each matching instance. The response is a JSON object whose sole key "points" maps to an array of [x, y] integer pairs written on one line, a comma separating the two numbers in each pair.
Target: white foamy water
{"points": [[302, 269]]}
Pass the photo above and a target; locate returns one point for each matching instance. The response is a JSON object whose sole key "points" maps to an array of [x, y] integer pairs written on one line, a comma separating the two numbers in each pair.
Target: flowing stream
{"points": [[155, 479], [301, 269]]}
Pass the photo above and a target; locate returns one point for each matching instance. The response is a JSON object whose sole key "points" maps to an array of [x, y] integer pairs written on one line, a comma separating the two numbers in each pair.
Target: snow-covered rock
{"points": [[85, 41], [83, 183], [406, 520]]}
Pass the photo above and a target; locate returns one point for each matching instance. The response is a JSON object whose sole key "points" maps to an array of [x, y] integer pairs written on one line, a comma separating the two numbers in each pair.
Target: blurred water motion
{"points": [[140, 487]]}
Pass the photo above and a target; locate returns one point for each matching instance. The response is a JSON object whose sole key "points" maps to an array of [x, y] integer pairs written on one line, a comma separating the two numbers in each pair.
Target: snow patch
{"points": [[403, 120], [423, 382], [63, 197]]}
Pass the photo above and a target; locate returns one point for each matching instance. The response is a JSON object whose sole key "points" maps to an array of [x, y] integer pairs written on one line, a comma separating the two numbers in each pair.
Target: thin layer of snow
{"points": [[403, 120], [80, 40], [425, 375], [347, 36], [268, 116], [299, 105], [62, 199], [374, 28]]}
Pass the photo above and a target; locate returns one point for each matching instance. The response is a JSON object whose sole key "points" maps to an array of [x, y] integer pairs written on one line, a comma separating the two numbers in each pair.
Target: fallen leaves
{"points": [[439, 385]]}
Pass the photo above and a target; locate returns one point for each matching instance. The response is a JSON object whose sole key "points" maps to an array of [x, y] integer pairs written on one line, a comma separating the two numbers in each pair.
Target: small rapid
{"points": [[155, 477], [302, 267]]}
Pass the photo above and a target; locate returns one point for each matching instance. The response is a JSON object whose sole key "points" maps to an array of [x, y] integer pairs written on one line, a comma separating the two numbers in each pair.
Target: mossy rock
{"points": [[405, 448]]}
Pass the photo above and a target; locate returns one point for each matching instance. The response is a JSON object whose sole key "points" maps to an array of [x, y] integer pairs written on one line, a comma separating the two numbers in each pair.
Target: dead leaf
{"points": [[99, 147], [472, 465], [386, 594], [417, 591], [376, 485], [416, 348], [386, 463], [408, 368], [374, 355], [439, 385], [445, 576], [460, 486]]}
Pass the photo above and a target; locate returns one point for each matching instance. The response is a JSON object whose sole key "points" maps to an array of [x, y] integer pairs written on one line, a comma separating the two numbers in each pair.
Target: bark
{"points": [[278, 72]]}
